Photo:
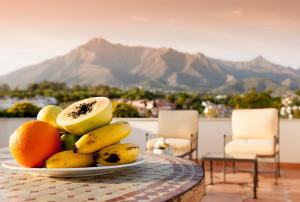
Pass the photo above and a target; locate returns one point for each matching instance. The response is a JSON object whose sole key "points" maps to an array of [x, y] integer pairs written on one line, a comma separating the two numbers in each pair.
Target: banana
{"points": [[117, 154], [102, 137], [69, 159]]}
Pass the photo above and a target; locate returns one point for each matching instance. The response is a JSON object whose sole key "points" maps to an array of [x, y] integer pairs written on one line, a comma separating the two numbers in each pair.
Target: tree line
{"points": [[183, 100]]}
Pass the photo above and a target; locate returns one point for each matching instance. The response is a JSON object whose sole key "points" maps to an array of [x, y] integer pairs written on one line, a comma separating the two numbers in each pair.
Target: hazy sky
{"points": [[34, 30]]}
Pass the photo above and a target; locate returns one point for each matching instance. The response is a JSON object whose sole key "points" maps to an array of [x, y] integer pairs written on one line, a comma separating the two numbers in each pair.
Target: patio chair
{"points": [[255, 131], [179, 128]]}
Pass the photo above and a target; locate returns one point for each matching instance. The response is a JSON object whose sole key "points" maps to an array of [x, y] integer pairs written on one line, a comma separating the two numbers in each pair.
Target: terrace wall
{"points": [[210, 134]]}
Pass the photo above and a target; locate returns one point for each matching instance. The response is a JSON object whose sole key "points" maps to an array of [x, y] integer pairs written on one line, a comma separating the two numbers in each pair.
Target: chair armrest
{"points": [[192, 139], [227, 138], [276, 139]]}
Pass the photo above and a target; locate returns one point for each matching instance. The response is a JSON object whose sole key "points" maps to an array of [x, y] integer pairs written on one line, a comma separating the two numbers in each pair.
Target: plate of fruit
{"points": [[80, 140]]}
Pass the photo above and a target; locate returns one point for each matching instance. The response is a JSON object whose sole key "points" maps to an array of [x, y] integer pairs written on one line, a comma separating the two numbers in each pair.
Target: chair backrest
{"points": [[255, 123], [177, 123]]}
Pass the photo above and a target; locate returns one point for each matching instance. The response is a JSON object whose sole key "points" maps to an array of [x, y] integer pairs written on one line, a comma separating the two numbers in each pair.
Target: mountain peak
{"points": [[260, 59], [95, 44], [166, 49], [97, 41], [201, 55]]}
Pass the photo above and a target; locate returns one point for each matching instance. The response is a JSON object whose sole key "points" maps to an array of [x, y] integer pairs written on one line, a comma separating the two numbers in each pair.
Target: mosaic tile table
{"points": [[160, 178]]}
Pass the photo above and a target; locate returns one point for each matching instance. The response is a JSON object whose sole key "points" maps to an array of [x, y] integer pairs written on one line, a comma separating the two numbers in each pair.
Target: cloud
{"points": [[139, 18]]}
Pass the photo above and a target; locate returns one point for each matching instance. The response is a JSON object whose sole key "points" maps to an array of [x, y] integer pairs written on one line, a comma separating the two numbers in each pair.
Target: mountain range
{"points": [[101, 62]]}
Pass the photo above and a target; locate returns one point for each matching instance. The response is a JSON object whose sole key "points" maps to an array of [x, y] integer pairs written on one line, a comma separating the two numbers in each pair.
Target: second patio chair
{"points": [[255, 131], [179, 128]]}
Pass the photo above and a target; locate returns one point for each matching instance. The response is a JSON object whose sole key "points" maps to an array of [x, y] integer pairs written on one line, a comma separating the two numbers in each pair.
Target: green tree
{"points": [[195, 102], [55, 86], [124, 110], [296, 114], [23, 109], [253, 99], [3, 113], [295, 101], [4, 90], [170, 97], [138, 93]]}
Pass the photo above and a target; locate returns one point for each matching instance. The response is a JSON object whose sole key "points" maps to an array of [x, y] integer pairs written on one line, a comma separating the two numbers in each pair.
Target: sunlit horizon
{"points": [[33, 31]]}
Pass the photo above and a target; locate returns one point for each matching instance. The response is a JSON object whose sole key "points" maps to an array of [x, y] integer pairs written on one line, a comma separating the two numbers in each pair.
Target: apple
{"points": [[49, 114]]}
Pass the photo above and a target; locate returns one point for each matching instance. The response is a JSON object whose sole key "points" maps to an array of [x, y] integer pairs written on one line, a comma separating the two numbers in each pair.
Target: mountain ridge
{"points": [[100, 62]]}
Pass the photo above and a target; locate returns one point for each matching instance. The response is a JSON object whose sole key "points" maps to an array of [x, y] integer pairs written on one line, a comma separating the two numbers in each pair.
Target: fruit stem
{"points": [[75, 149]]}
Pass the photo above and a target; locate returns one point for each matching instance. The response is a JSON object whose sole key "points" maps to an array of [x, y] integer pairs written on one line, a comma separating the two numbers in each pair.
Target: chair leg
{"points": [[278, 164], [276, 169], [224, 171], [233, 166]]}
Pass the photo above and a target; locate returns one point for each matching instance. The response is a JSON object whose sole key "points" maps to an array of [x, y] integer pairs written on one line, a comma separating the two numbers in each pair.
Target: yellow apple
{"points": [[49, 114]]}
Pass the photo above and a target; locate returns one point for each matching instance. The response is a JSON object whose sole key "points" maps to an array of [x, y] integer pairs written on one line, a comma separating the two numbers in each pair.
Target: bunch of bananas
{"points": [[97, 146]]}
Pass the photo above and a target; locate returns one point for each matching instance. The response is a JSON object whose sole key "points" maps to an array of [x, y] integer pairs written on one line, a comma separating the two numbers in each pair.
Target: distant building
{"points": [[148, 104], [163, 104], [40, 101], [213, 110], [220, 97], [149, 108]]}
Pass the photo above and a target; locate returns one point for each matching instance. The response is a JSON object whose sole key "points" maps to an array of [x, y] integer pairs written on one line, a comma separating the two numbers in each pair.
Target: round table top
{"points": [[160, 178]]}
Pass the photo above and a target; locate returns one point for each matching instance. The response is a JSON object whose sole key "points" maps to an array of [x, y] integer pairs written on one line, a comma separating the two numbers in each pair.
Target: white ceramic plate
{"points": [[69, 172]]}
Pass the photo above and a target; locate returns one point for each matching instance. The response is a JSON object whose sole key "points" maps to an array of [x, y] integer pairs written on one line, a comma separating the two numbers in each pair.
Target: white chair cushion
{"points": [[178, 145], [254, 123], [255, 146], [177, 123]]}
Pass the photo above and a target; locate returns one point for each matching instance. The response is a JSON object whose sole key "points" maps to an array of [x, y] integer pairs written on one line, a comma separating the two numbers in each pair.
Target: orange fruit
{"points": [[33, 142]]}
